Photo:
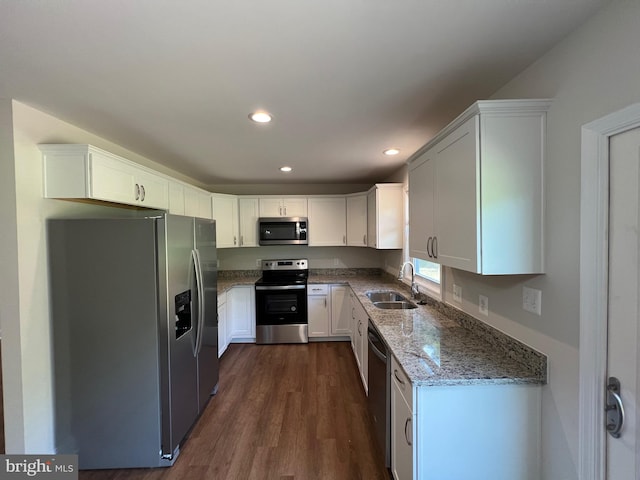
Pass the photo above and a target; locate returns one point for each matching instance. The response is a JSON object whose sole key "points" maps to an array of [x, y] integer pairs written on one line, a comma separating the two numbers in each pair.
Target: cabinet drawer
{"points": [[317, 289], [402, 382]]}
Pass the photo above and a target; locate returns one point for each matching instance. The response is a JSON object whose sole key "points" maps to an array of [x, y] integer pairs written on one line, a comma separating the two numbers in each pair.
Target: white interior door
{"points": [[624, 272]]}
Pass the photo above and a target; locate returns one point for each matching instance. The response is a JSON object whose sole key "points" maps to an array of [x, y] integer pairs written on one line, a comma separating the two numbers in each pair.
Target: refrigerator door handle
{"points": [[200, 287]]}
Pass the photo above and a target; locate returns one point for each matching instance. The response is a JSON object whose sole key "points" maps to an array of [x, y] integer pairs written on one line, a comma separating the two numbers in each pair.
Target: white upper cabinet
{"points": [[385, 219], [327, 221], [248, 208], [225, 213], [176, 198], [86, 172], [283, 207], [197, 203], [357, 220], [476, 190]]}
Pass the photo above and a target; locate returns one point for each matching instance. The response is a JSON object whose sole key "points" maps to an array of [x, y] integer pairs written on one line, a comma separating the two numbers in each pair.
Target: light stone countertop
{"points": [[435, 344]]}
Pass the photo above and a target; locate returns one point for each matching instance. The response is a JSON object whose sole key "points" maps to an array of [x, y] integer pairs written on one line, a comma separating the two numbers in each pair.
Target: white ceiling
{"points": [[344, 79]]}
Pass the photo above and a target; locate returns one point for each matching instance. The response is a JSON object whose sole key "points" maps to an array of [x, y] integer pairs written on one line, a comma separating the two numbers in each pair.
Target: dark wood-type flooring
{"points": [[294, 412]]}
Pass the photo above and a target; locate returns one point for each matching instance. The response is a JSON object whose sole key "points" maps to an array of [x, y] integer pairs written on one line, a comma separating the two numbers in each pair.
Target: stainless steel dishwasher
{"points": [[379, 398]]}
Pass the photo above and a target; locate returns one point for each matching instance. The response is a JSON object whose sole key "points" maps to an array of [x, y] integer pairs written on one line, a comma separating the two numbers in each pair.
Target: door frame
{"points": [[594, 280]]}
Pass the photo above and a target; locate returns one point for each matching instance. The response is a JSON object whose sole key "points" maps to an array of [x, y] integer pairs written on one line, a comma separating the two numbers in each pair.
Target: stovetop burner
{"points": [[284, 272]]}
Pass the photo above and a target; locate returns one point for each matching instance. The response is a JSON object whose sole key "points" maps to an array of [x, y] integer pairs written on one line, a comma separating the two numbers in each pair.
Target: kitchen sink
{"points": [[386, 296], [402, 305], [390, 300]]}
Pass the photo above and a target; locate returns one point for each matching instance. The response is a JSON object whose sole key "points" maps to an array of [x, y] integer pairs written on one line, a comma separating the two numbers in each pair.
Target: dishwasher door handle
{"points": [[375, 350]]}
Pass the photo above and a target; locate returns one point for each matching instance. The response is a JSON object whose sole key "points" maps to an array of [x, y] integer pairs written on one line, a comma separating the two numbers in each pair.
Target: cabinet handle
{"points": [[364, 239], [137, 190], [142, 193], [285, 211], [395, 374], [406, 436], [359, 325], [241, 240], [325, 302], [434, 247], [344, 239], [353, 315], [234, 240], [430, 247]]}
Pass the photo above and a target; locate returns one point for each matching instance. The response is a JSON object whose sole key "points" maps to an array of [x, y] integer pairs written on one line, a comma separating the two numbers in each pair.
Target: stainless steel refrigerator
{"points": [[135, 329]]}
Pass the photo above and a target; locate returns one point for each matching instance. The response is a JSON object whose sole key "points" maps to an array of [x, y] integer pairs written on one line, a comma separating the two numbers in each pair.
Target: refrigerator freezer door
{"points": [[205, 244]]}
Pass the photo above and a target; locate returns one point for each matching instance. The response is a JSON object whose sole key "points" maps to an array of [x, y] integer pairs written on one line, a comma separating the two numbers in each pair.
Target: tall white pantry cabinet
{"points": [[476, 190]]}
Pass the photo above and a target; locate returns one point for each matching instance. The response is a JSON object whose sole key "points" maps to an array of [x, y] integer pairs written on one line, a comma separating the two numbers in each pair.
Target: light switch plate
{"points": [[483, 305]]}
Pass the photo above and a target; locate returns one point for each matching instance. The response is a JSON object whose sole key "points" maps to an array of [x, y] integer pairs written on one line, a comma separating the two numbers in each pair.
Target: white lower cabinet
{"points": [[340, 311], [319, 310], [241, 314], [223, 338], [474, 432], [402, 424]]}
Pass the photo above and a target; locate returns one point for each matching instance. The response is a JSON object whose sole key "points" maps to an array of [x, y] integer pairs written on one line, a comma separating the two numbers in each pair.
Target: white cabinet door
{"points": [[176, 198], [241, 313], [248, 208], [327, 221], [154, 190], [402, 429], [271, 207], [295, 207], [318, 311], [457, 216], [385, 216], [223, 336], [421, 206], [225, 211], [197, 203], [357, 220], [340, 310]]}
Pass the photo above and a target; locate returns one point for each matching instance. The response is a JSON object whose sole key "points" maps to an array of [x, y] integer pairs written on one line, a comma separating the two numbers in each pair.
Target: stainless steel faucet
{"points": [[414, 286]]}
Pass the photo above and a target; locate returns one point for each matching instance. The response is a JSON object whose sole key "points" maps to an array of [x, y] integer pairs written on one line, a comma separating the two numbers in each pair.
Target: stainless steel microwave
{"points": [[282, 231]]}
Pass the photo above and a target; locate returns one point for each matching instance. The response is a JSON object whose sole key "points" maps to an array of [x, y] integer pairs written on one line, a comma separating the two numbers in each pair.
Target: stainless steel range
{"points": [[281, 302]]}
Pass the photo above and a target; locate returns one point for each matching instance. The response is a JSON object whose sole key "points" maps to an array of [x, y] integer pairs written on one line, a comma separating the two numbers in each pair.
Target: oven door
{"points": [[281, 304], [281, 314]]}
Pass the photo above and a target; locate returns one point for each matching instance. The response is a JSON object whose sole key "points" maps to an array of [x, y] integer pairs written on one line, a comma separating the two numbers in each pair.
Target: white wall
{"points": [[24, 300], [594, 71]]}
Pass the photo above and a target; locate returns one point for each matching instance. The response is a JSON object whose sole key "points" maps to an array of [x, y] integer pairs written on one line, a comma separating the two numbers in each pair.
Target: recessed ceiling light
{"points": [[391, 151], [260, 116], [285, 169]]}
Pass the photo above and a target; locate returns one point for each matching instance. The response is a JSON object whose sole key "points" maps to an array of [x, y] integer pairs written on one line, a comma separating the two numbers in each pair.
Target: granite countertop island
{"points": [[435, 343]]}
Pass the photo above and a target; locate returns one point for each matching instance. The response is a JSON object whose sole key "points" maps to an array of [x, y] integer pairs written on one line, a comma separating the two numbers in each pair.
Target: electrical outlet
{"points": [[532, 300], [483, 305], [217, 263], [336, 262], [258, 262], [457, 293]]}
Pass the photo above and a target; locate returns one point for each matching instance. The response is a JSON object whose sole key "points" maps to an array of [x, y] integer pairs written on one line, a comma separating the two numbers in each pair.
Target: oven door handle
{"points": [[281, 287]]}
